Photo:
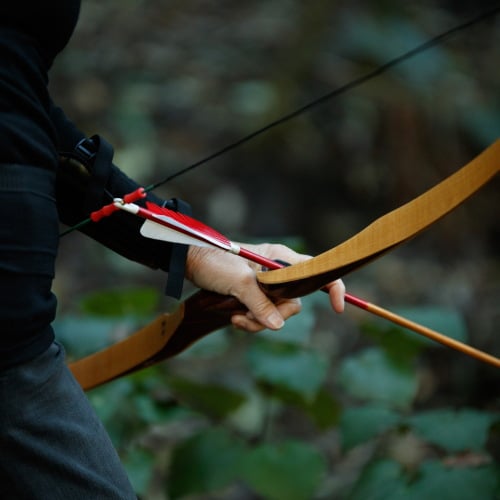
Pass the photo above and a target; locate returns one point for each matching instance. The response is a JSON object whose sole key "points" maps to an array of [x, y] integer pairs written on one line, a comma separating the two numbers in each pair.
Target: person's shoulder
{"points": [[49, 23]]}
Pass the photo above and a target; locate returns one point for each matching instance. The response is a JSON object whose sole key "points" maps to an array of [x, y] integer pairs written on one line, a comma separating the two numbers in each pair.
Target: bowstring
{"points": [[347, 87]]}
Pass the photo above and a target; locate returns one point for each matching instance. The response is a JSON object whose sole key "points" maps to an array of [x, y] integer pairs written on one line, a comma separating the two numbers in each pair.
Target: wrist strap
{"points": [[177, 263]]}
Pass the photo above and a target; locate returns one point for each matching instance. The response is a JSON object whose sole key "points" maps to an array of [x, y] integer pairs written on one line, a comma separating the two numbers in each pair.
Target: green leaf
{"points": [[438, 482], [323, 409], [289, 366], [205, 463], [460, 430], [250, 418], [358, 425], [386, 480], [121, 302], [373, 376], [148, 410], [213, 400], [290, 470], [381, 480]]}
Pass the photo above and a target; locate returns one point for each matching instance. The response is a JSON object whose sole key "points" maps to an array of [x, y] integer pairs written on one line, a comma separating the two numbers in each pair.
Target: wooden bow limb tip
{"points": [[205, 312], [122, 357], [168, 335], [389, 231]]}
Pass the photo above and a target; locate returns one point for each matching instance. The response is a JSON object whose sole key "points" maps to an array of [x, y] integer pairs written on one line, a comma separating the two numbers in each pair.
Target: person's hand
{"points": [[222, 272]]}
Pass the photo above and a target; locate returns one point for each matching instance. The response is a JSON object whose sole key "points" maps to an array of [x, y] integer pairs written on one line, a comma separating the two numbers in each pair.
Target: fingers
{"points": [[269, 315], [266, 315], [228, 274], [336, 291]]}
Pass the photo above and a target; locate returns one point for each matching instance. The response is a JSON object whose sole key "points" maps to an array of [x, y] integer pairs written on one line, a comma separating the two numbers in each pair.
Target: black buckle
{"points": [[85, 151]]}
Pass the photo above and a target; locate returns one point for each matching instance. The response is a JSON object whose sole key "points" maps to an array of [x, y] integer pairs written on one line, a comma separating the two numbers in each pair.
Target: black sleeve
{"points": [[93, 181]]}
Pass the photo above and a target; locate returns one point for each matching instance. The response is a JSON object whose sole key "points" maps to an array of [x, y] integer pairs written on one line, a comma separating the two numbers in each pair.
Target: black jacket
{"points": [[34, 135]]}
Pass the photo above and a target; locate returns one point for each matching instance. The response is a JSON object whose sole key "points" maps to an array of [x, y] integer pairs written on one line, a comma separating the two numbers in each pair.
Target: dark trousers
{"points": [[52, 445]]}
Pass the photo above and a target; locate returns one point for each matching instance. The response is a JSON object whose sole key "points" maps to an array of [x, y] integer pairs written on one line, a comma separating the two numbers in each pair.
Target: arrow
{"points": [[167, 225]]}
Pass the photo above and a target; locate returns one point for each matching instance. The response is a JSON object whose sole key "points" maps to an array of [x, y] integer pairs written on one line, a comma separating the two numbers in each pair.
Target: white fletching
{"points": [[157, 231]]}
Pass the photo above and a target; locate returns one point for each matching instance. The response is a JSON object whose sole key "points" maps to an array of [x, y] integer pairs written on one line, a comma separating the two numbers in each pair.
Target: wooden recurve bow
{"points": [[205, 312]]}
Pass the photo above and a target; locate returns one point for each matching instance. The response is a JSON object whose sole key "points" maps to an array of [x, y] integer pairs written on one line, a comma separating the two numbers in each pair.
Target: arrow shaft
{"points": [[182, 224], [423, 330], [397, 319]]}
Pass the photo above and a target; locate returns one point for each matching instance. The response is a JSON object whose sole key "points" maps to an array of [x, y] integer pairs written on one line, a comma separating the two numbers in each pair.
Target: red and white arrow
{"points": [[167, 225]]}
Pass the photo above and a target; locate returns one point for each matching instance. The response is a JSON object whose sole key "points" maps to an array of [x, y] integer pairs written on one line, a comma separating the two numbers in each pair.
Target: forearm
{"points": [[84, 188]]}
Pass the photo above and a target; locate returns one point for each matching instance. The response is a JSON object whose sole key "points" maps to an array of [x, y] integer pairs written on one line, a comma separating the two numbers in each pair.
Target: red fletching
{"points": [[187, 225]]}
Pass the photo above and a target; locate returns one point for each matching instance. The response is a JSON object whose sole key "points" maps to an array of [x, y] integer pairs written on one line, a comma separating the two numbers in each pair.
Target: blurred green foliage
{"points": [[280, 417]]}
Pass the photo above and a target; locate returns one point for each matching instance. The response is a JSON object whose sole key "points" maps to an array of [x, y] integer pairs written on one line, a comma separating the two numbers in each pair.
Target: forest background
{"points": [[334, 406]]}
